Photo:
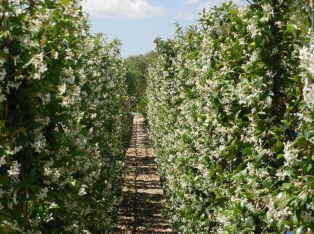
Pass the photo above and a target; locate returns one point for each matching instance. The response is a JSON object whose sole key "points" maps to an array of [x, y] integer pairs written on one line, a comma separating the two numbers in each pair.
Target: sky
{"points": [[137, 23]]}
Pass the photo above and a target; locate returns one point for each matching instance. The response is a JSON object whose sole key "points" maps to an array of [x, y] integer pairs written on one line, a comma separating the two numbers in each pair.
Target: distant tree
{"points": [[136, 79]]}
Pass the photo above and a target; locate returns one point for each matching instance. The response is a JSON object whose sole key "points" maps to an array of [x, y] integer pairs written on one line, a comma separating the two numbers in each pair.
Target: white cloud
{"points": [[190, 1], [121, 8], [219, 2]]}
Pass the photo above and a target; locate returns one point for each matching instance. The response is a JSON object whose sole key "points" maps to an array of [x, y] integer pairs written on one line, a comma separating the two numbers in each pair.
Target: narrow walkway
{"points": [[140, 211]]}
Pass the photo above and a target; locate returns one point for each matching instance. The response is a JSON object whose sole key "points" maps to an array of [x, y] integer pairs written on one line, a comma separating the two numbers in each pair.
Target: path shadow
{"points": [[141, 209]]}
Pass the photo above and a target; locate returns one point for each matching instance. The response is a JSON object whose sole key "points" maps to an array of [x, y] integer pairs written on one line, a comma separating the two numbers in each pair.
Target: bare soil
{"points": [[141, 210]]}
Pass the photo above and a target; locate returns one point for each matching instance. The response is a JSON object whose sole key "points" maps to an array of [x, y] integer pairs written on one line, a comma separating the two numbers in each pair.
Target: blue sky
{"points": [[137, 23]]}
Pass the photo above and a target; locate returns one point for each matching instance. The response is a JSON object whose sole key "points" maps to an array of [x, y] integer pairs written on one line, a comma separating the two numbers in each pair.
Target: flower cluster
{"points": [[62, 121], [230, 112]]}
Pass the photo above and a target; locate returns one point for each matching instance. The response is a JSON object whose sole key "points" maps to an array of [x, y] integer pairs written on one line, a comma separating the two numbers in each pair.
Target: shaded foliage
{"points": [[136, 80]]}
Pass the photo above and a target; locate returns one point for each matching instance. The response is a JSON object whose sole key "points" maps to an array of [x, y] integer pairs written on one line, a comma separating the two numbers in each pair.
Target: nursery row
{"points": [[231, 110], [62, 120]]}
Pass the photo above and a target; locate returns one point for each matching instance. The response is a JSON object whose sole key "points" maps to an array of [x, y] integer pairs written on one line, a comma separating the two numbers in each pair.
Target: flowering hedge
{"points": [[231, 119], [62, 118]]}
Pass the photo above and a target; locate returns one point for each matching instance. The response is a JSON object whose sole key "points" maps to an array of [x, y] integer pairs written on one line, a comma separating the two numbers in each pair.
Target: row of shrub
{"points": [[62, 120], [231, 109], [136, 80]]}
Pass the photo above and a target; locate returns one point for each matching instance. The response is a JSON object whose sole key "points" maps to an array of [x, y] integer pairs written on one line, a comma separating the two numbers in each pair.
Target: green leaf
{"points": [[184, 138], [261, 125], [302, 105], [297, 91], [249, 222], [297, 215], [300, 141], [305, 133], [300, 230], [2, 152], [31, 176], [279, 144], [218, 195], [46, 111], [17, 214], [268, 185], [291, 28], [4, 33], [34, 189], [286, 122], [280, 225], [248, 151], [275, 149], [3, 179], [259, 157], [286, 185], [239, 121], [277, 131], [33, 214], [6, 213], [259, 82], [221, 199], [65, 2], [75, 42], [22, 140], [78, 153], [215, 101], [34, 125]]}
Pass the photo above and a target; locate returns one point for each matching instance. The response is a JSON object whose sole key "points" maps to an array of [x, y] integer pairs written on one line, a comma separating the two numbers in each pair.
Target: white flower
{"points": [[14, 199], [26, 41], [49, 218], [82, 190], [281, 174], [39, 143], [93, 116], [6, 50], [290, 154], [44, 97], [62, 88], [3, 73], [14, 171], [56, 55], [43, 193], [42, 67], [3, 161], [53, 205]]}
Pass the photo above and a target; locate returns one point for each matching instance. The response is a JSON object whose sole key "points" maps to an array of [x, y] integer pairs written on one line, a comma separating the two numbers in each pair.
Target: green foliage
{"points": [[62, 121], [230, 111], [136, 80]]}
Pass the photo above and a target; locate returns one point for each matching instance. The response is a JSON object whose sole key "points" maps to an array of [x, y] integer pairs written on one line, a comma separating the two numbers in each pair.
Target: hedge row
{"points": [[62, 118], [231, 111]]}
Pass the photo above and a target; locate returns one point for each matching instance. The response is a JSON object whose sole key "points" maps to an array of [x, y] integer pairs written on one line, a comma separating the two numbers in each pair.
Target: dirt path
{"points": [[140, 212]]}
